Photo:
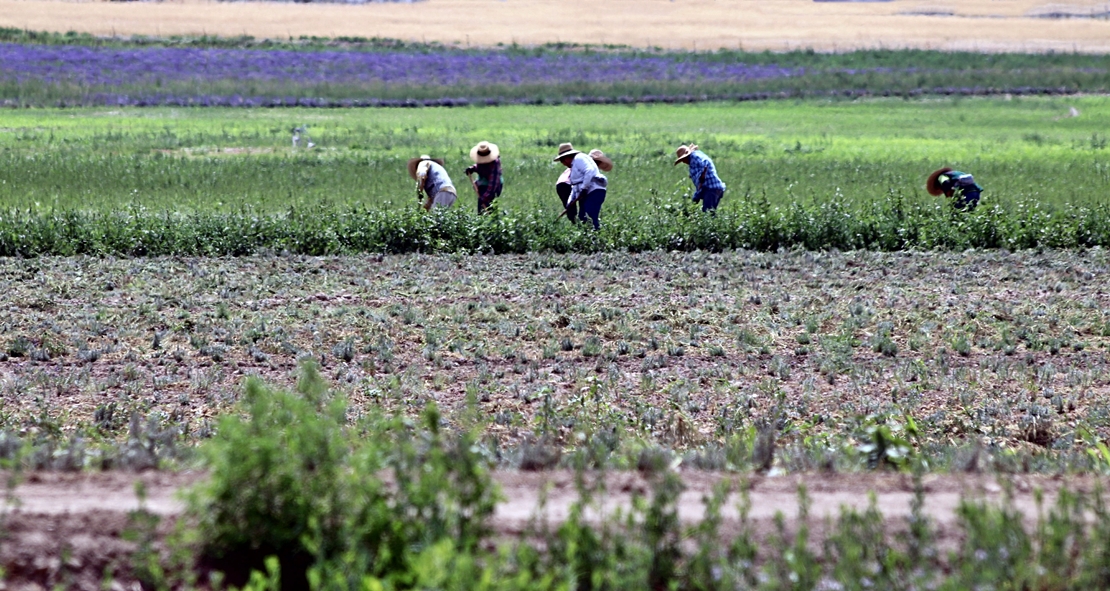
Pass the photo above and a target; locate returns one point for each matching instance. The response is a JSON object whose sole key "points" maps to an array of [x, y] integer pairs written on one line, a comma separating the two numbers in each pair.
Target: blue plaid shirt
{"points": [[699, 164]]}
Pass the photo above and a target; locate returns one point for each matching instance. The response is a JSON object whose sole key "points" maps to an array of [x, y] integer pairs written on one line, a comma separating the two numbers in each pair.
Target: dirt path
{"points": [[69, 528], [114, 492]]}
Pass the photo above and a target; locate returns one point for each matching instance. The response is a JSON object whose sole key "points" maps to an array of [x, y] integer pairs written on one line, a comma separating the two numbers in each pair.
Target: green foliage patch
{"points": [[335, 502], [302, 498], [816, 174]]}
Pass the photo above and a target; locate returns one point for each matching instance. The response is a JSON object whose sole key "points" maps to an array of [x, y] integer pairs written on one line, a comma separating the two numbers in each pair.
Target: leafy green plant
{"points": [[294, 481], [885, 442]]}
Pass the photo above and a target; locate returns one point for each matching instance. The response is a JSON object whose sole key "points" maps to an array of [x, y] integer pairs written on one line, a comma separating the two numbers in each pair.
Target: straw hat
{"points": [[416, 162], [564, 151], [484, 152], [604, 162], [683, 152], [932, 186]]}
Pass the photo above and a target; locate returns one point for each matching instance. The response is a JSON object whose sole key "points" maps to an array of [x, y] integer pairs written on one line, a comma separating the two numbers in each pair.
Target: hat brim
{"points": [[413, 163], [683, 157], [565, 154], [605, 163], [932, 186], [494, 154]]}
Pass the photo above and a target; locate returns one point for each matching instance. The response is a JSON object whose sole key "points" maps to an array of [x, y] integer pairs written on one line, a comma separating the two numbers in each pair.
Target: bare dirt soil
{"points": [[68, 529], [777, 25]]}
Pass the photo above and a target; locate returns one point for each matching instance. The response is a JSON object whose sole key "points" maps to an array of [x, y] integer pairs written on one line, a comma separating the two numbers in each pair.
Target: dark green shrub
{"points": [[336, 503], [274, 475]]}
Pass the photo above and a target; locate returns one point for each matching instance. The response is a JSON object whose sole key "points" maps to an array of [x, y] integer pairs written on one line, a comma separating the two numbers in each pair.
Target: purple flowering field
{"points": [[146, 75], [37, 74], [100, 66]]}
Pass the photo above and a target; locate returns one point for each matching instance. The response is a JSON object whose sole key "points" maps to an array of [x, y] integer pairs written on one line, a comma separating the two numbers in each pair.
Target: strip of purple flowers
{"points": [[123, 100]]}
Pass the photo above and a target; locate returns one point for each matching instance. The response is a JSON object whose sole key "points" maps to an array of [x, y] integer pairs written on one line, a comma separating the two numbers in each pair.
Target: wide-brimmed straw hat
{"points": [[416, 162], [564, 151], [484, 152], [682, 152], [932, 186], [603, 162]]}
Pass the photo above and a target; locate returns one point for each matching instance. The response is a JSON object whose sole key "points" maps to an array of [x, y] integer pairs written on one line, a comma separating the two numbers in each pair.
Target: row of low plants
{"points": [[300, 496], [892, 224]]}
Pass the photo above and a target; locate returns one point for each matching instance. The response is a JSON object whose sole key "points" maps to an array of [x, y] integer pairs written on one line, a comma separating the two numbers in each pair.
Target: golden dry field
{"points": [[982, 25]]}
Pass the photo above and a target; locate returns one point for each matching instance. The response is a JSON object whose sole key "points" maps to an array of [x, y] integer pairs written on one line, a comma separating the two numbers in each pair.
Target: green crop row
{"points": [[890, 224]]}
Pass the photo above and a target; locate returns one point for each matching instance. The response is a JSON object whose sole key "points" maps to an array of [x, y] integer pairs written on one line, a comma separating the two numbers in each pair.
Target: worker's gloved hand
{"points": [[470, 169]]}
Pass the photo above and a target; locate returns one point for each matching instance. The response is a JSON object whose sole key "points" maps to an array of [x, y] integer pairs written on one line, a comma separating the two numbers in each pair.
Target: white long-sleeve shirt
{"points": [[585, 177], [432, 178]]}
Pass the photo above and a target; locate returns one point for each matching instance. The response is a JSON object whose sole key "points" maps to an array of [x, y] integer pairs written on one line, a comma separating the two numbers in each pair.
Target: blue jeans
{"points": [[591, 206], [710, 198]]}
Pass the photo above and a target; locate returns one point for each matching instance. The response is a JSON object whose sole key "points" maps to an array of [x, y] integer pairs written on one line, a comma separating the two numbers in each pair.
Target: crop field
{"points": [[818, 174], [602, 355], [777, 25], [816, 363], [835, 381]]}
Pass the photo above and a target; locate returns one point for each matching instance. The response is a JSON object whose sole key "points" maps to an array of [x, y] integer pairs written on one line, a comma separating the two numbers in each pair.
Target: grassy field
{"points": [[979, 25], [862, 160], [200, 159]]}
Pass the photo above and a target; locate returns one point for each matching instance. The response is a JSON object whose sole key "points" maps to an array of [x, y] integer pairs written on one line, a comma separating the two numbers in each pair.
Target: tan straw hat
{"points": [[683, 152], [416, 162], [603, 162], [932, 186], [564, 151], [484, 152]]}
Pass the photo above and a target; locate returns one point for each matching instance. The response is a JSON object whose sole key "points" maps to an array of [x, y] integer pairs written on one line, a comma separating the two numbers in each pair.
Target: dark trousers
{"points": [[710, 198], [966, 200], [486, 197], [563, 189], [591, 206]]}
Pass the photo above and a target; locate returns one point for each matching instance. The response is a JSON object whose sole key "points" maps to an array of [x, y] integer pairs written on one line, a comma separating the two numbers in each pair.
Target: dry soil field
{"points": [[982, 25]]}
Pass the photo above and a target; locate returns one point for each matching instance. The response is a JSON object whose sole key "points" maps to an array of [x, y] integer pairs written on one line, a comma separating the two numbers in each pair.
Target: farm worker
{"points": [[432, 180], [708, 187], [562, 189], [487, 163], [587, 184], [959, 185]]}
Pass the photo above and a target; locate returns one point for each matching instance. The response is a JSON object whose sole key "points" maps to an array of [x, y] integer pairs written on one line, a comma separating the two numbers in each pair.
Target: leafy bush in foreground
{"points": [[320, 502], [892, 224], [295, 481]]}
